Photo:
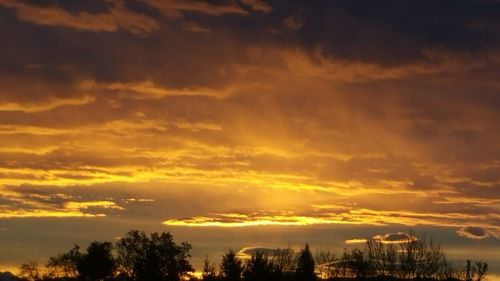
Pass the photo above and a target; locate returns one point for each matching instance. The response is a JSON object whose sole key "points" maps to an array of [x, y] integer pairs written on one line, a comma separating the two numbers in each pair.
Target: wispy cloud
{"points": [[45, 105], [118, 16], [51, 206], [349, 215], [204, 7], [258, 5]]}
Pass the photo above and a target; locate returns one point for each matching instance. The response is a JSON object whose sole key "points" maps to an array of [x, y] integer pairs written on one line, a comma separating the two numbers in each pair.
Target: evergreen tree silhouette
{"points": [[258, 268], [231, 266], [305, 265]]}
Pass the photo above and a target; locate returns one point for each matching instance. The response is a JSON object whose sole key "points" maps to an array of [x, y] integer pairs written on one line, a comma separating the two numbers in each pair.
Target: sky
{"points": [[244, 123]]}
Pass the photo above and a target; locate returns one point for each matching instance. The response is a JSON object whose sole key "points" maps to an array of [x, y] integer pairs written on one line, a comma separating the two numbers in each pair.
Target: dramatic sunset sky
{"points": [[241, 123]]}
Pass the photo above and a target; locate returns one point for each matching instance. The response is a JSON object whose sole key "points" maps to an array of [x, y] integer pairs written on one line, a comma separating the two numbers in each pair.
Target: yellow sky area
{"points": [[91, 175], [258, 132], [126, 155], [101, 140], [184, 160]]}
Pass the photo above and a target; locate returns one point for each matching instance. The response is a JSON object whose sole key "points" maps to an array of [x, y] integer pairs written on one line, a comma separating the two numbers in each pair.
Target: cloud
{"points": [[50, 202], [45, 105], [243, 220], [71, 209], [138, 200], [171, 8], [349, 215], [293, 22], [475, 233], [72, 205], [118, 16], [247, 252], [318, 65], [148, 89], [389, 238], [356, 241], [225, 7], [258, 5], [195, 28], [394, 238]]}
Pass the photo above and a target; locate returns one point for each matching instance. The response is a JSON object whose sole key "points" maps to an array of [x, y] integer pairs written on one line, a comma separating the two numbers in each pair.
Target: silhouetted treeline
{"points": [[139, 257]]}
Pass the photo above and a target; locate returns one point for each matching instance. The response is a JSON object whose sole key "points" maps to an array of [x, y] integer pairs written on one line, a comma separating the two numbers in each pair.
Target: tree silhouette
{"points": [[98, 263], [305, 265], [475, 271], [325, 261], [258, 268], [30, 272], [131, 250], [231, 267], [482, 268], [155, 258], [284, 263], [208, 272], [65, 265], [358, 263]]}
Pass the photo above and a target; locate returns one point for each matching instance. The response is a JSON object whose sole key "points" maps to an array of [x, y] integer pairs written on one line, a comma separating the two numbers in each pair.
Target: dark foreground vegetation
{"points": [[139, 257]]}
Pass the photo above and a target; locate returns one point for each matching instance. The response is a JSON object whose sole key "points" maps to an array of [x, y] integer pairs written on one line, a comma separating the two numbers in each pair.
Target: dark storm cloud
{"points": [[342, 29], [392, 32]]}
